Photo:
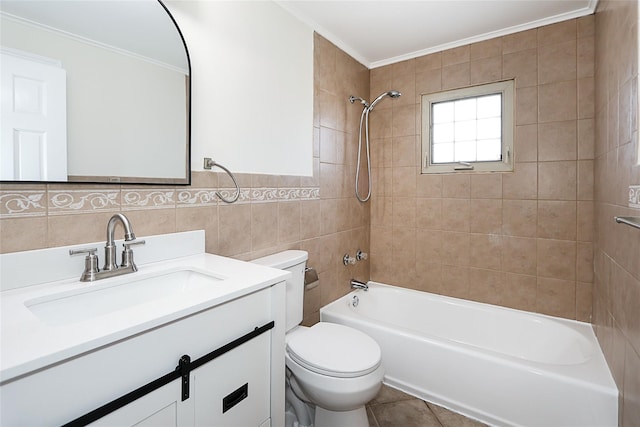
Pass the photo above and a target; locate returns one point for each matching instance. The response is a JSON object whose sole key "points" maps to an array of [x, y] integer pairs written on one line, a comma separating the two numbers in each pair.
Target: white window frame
{"points": [[508, 117]]}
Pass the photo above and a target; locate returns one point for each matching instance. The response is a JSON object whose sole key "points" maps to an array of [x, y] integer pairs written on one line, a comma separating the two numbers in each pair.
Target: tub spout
{"points": [[356, 284]]}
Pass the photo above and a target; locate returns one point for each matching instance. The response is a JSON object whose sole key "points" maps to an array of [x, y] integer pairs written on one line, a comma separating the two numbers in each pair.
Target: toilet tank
{"points": [[293, 261]]}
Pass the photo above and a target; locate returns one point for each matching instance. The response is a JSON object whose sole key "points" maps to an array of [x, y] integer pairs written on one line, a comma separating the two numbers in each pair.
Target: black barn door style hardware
{"points": [[182, 371]]}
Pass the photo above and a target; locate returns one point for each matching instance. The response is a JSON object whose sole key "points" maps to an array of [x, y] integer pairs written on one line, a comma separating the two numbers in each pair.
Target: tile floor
{"points": [[393, 408]]}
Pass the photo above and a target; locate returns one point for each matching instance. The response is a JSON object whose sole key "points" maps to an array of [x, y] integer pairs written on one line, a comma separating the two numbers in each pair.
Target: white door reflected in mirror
{"points": [[34, 121]]}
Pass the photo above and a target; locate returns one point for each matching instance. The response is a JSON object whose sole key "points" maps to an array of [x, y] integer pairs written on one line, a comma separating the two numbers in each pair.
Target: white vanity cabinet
{"points": [[161, 408], [112, 352], [66, 391], [232, 390]]}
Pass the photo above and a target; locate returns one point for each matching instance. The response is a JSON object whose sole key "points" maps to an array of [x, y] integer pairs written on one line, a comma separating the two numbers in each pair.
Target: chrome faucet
{"points": [[356, 284], [110, 247], [110, 269]]}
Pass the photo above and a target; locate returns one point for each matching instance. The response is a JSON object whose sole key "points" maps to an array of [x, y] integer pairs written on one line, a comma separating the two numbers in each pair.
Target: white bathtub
{"points": [[501, 366]]}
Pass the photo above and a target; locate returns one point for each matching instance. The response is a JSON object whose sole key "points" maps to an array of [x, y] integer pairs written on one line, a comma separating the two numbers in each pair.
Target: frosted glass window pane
{"points": [[466, 130], [442, 153], [489, 128], [465, 109], [471, 124], [442, 132], [465, 151], [490, 106], [489, 150], [442, 112]]}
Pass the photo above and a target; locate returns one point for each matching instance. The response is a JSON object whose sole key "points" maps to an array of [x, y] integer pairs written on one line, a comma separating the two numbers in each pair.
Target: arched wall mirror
{"points": [[93, 91]]}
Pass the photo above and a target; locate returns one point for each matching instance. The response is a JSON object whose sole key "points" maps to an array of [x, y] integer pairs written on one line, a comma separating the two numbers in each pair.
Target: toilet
{"points": [[332, 370]]}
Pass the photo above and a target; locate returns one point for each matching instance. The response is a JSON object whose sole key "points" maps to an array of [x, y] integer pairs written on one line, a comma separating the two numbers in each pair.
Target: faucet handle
{"points": [[89, 251], [127, 245], [90, 263], [361, 255], [127, 254], [348, 260]]}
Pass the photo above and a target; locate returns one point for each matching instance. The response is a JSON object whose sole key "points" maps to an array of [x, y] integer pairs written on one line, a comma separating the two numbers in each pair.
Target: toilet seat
{"points": [[335, 350]]}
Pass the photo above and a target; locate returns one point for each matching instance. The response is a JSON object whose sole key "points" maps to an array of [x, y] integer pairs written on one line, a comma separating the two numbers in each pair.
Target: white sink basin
{"points": [[117, 294]]}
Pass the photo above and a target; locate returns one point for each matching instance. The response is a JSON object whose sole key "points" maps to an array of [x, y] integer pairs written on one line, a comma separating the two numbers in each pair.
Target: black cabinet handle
{"points": [[235, 397]]}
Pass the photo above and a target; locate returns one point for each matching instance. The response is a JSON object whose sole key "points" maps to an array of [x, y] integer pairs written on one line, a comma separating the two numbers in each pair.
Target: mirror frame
{"points": [[118, 180]]}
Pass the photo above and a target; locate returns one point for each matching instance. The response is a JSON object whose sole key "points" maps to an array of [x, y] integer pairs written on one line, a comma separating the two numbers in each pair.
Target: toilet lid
{"points": [[335, 350]]}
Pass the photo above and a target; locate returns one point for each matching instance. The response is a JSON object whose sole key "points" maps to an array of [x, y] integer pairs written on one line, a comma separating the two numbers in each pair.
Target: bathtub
{"points": [[500, 366]]}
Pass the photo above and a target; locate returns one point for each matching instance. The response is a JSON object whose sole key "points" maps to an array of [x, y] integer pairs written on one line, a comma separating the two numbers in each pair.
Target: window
{"points": [[469, 129]]}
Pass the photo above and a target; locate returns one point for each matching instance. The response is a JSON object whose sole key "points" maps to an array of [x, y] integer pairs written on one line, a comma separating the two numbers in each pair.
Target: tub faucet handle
{"points": [[346, 260], [361, 255]]}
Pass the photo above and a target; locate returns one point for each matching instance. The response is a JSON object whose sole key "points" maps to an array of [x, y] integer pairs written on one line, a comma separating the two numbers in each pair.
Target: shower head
{"points": [[391, 93]]}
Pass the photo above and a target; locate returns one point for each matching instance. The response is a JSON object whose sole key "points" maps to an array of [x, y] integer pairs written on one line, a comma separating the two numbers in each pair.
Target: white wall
{"points": [[252, 85]]}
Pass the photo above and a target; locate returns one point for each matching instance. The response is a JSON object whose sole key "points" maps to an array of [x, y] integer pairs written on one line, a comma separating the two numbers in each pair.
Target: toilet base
{"points": [[354, 418]]}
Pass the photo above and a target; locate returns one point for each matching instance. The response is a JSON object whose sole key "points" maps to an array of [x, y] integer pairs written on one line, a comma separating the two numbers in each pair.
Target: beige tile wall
{"points": [[318, 214], [616, 302], [521, 239]]}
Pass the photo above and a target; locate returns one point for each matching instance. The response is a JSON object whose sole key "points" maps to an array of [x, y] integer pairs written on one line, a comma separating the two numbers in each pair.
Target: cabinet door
{"points": [[160, 408], [234, 389]]}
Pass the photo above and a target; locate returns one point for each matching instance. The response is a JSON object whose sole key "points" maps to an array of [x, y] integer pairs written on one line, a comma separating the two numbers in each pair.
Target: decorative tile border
{"points": [[67, 202], [284, 194], [83, 201], [22, 203], [207, 196], [136, 199], [230, 193], [196, 197], [634, 196]]}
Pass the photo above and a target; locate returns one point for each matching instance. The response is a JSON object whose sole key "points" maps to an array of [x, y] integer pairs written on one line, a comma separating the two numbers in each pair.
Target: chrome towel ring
{"points": [[208, 164]]}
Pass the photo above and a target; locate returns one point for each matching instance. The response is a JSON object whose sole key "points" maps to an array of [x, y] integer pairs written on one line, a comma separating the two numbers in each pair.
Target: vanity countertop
{"points": [[28, 343]]}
